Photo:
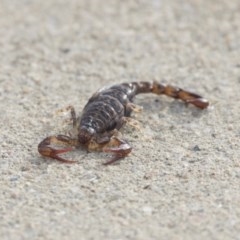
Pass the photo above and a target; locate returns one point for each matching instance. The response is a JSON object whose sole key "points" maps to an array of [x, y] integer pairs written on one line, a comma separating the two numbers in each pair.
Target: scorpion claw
{"points": [[120, 151], [112, 160], [45, 150]]}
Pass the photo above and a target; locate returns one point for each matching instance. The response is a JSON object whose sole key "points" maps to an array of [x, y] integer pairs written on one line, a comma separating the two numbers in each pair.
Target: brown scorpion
{"points": [[104, 114]]}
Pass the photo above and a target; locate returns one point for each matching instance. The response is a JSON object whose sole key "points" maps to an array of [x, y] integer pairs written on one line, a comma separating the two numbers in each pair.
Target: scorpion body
{"points": [[105, 113]]}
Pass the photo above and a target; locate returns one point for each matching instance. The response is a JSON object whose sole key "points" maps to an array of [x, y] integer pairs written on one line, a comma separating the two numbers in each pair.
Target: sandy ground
{"points": [[182, 180]]}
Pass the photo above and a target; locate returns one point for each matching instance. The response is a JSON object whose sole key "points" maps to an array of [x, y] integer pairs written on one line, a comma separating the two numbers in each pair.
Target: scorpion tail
{"points": [[171, 91]]}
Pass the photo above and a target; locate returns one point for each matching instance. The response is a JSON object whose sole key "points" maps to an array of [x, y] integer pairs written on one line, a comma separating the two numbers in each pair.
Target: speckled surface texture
{"points": [[182, 180]]}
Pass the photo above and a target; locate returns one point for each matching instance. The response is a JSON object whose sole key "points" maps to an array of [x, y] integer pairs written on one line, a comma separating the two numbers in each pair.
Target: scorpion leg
{"points": [[181, 94], [118, 147], [132, 122], [133, 107], [73, 114], [45, 149]]}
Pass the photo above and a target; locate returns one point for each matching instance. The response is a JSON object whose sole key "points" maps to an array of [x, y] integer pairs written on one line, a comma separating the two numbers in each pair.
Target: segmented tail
{"points": [[171, 91]]}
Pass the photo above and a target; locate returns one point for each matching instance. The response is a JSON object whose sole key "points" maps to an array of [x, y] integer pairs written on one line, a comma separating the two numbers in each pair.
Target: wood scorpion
{"points": [[104, 114]]}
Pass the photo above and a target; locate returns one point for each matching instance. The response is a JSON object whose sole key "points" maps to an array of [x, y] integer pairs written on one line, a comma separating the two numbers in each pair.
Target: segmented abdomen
{"points": [[105, 109]]}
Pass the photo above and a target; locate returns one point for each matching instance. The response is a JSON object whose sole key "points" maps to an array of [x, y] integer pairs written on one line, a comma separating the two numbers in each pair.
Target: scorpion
{"points": [[104, 114]]}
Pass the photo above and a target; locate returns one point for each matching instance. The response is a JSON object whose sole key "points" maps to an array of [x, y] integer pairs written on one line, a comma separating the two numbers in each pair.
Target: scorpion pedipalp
{"points": [[120, 149], [45, 149]]}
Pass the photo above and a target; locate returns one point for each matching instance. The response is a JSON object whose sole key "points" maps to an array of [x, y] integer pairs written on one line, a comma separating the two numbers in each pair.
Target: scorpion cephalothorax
{"points": [[105, 113]]}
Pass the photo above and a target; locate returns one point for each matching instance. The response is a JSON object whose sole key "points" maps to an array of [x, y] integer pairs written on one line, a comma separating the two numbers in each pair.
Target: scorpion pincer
{"points": [[104, 114]]}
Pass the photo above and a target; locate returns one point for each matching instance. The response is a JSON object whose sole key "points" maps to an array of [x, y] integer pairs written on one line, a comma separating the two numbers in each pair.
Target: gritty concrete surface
{"points": [[182, 180]]}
